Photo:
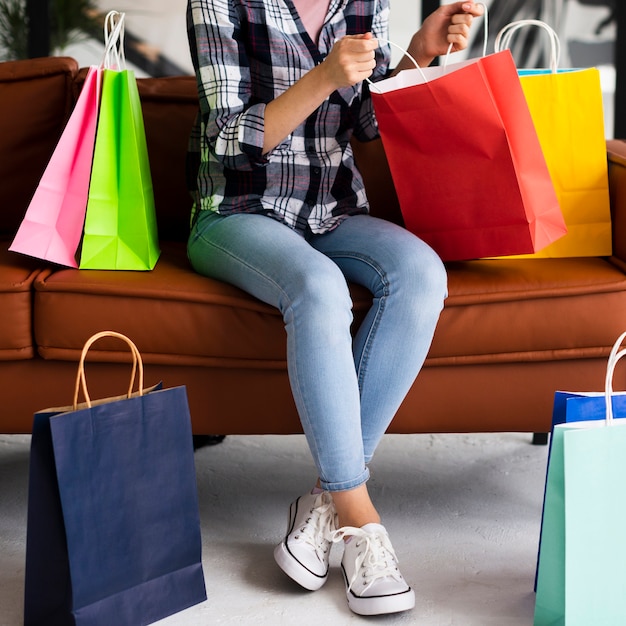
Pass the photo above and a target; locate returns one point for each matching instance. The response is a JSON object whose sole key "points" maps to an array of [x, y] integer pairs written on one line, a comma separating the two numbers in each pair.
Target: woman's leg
{"points": [[278, 266], [409, 285]]}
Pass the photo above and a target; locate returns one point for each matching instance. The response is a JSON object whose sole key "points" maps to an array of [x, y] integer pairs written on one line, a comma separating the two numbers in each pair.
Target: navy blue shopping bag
{"points": [[113, 530]]}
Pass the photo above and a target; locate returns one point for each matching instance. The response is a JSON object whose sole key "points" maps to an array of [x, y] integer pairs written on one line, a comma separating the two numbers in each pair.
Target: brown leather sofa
{"points": [[512, 332]]}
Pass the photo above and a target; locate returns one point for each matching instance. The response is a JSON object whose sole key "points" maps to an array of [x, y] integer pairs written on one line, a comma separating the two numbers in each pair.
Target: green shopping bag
{"points": [[120, 225], [581, 579]]}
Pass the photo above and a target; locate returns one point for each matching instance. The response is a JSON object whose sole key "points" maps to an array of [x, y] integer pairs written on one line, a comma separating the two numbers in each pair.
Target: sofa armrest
{"points": [[616, 154]]}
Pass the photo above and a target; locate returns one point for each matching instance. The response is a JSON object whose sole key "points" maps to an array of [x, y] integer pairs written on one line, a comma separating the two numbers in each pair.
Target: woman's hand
{"points": [[350, 60], [449, 24]]}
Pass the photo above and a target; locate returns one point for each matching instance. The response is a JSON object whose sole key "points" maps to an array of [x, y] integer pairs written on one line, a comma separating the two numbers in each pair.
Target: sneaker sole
{"points": [[296, 571], [379, 605]]}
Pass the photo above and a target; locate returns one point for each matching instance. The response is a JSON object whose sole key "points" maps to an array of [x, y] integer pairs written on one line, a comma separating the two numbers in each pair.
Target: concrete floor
{"points": [[463, 512]]}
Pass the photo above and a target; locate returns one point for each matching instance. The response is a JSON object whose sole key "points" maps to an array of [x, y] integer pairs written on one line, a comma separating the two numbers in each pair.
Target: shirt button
{"points": [[316, 171]]}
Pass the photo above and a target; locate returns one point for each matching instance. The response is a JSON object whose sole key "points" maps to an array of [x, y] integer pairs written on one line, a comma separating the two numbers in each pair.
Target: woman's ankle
{"points": [[354, 508]]}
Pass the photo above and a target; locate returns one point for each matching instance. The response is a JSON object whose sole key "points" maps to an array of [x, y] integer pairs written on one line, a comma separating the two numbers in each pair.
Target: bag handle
{"points": [[447, 55], [81, 381], [503, 39], [615, 355], [114, 30], [395, 45]]}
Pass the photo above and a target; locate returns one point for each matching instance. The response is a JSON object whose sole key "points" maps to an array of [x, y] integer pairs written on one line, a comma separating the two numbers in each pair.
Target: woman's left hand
{"points": [[449, 24]]}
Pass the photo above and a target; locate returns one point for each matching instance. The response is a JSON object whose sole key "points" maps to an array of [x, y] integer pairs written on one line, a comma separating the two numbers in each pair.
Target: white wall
{"points": [[404, 20], [162, 25]]}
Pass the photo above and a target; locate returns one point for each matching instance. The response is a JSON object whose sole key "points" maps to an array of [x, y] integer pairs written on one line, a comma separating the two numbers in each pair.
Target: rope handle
{"points": [[447, 55], [503, 39], [114, 30], [391, 43], [615, 355], [81, 381]]}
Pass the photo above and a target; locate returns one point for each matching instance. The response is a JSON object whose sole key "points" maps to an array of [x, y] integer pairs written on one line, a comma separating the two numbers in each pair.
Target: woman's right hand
{"points": [[350, 60]]}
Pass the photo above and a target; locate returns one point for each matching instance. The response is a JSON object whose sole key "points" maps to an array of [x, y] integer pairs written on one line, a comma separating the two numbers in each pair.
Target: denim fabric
{"points": [[346, 389]]}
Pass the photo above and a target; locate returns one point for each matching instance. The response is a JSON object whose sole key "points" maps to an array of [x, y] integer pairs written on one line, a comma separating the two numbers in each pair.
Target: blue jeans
{"points": [[346, 389]]}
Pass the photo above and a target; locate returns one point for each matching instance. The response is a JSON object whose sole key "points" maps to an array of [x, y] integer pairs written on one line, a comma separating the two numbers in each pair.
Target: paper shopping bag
{"points": [[465, 159], [567, 111], [113, 531], [120, 225], [580, 406], [53, 223], [581, 578]]}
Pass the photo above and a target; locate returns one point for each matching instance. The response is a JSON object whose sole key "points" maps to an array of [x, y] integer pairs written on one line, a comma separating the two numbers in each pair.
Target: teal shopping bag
{"points": [[120, 225], [581, 578]]}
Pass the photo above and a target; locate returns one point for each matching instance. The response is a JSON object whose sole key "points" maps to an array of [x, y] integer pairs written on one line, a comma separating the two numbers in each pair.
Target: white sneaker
{"points": [[374, 584], [304, 552]]}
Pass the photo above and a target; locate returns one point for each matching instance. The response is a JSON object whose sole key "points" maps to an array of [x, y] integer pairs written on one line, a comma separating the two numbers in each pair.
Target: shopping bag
{"points": [[465, 159], [581, 406], [53, 223], [120, 226], [581, 578], [113, 531], [567, 111]]}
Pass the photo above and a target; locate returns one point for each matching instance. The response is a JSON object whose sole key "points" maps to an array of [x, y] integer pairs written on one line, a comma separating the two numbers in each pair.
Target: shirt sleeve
{"points": [[232, 126]]}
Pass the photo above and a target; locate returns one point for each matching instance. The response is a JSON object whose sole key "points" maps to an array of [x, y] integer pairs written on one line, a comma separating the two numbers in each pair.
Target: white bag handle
{"points": [[503, 39], [614, 357], [114, 55], [447, 55], [395, 45], [81, 381]]}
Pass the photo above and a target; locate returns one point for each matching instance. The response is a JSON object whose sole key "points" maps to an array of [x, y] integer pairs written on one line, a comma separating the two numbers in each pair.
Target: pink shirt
{"points": [[312, 13]]}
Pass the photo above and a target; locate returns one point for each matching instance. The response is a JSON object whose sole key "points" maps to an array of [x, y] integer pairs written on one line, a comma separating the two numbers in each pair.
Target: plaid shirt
{"points": [[246, 53]]}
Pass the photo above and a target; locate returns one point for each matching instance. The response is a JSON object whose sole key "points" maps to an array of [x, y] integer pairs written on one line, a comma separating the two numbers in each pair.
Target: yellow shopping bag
{"points": [[566, 108]]}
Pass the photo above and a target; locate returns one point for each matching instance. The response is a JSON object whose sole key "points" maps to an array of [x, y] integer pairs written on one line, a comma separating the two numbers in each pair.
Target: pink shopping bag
{"points": [[53, 224]]}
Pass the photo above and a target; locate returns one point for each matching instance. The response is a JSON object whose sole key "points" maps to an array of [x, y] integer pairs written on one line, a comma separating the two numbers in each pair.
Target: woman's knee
{"points": [[418, 273], [321, 289]]}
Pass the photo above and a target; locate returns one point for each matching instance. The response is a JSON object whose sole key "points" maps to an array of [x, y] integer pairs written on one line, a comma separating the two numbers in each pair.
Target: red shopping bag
{"points": [[465, 159], [53, 224]]}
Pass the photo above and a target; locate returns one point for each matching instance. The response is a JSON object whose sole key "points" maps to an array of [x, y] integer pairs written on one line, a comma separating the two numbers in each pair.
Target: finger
{"points": [[459, 29], [458, 35], [474, 8], [459, 42], [462, 18], [356, 43]]}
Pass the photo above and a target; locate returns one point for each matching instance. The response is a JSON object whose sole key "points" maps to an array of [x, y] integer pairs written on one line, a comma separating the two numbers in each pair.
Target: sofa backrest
{"points": [[36, 98], [169, 109]]}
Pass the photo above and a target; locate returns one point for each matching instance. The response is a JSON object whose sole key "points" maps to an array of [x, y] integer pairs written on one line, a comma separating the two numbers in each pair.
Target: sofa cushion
{"points": [[173, 314], [38, 94], [17, 274], [498, 311], [516, 310]]}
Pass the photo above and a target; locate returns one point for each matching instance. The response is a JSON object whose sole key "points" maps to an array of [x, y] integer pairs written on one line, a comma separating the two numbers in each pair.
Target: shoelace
{"points": [[319, 527], [378, 559]]}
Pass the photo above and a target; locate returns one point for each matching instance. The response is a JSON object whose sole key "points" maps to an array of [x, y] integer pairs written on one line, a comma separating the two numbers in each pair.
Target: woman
{"points": [[281, 212]]}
